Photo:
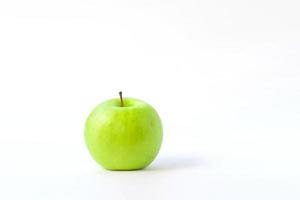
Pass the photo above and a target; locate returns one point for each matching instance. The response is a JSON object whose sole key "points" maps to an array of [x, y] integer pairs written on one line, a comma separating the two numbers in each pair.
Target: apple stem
{"points": [[120, 94]]}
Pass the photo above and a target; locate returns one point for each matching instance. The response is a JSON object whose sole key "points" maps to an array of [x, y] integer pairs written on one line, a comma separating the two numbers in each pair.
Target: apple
{"points": [[123, 134]]}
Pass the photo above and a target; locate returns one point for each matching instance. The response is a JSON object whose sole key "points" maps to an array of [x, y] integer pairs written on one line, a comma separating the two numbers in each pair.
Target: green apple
{"points": [[123, 134]]}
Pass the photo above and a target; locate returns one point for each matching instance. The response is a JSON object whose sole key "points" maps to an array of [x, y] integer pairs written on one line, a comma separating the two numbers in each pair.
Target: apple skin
{"points": [[123, 138]]}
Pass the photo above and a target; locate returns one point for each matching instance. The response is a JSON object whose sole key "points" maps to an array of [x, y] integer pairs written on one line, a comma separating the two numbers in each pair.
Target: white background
{"points": [[224, 76]]}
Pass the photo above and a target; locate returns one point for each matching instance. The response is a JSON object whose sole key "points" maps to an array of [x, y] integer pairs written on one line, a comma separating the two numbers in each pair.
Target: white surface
{"points": [[224, 76]]}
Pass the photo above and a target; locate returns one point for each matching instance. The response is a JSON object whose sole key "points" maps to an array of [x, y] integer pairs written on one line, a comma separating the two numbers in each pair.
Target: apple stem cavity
{"points": [[121, 98]]}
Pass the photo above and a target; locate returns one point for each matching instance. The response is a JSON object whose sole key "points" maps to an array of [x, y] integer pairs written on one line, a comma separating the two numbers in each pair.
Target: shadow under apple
{"points": [[178, 162]]}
